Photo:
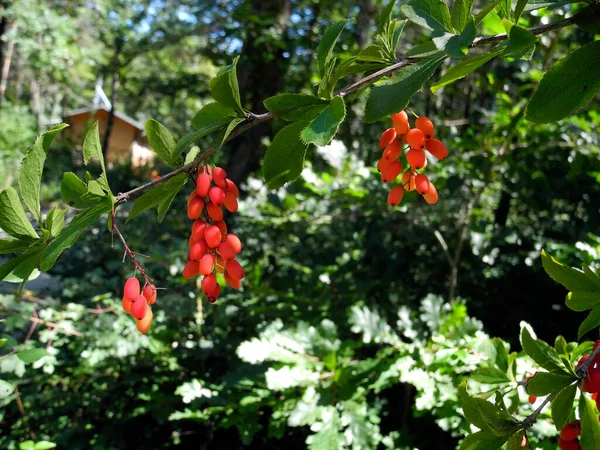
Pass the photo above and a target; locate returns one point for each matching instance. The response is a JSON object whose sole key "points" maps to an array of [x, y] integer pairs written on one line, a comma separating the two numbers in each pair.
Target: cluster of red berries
{"points": [[137, 302], [212, 248], [418, 140], [569, 436]]}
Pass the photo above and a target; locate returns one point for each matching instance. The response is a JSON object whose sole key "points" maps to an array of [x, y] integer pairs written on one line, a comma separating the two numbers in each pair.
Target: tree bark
{"points": [[365, 21], [10, 45], [111, 114]]}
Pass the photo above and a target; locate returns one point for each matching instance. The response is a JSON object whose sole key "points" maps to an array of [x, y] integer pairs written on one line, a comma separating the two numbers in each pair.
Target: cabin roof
{"points": [[123, 117]]}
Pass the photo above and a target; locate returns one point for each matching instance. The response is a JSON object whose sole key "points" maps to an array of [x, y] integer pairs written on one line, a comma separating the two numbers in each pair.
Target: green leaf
{"points": [[72, 189], [457, 46], [44, 445], [327, 43], [55, 220], [515, 440], [69, 235], [591, 321], [295, 107], [503, 9], [520, 42], [32, 166], [582, 301], [426, 50], [393, 96], [27, 445], [485, 11], [385, 17], [589, 19], [560, 345], [590, 426], [568, 86], [23, 264], [157, 195], [5, 389], [224, 88], [572, 279], [321, 130], [539, 351], [461, 12], [562, 406], [483, 414], [284, 160], [519, 10], [464, 68], [191, 155], [31, 356], [162, 142], [93, 150], [489, 375], [430, 14], [13, 245], [482, 440], [212, 116], [12, 216], [544, 383]]}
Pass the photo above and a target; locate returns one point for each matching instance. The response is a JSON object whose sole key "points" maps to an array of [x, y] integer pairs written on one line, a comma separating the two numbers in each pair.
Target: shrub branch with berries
{"points": [[314, 119]]}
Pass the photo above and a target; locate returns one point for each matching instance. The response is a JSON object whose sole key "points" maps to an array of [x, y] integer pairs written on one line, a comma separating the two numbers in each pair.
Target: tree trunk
{"points": [[111, 114], [36, 102], [259, 79], [365, 17], [10, 45]]}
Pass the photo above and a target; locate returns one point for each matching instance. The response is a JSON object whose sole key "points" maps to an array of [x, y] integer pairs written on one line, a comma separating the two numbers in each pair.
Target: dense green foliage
{"points": [[357, 326]]}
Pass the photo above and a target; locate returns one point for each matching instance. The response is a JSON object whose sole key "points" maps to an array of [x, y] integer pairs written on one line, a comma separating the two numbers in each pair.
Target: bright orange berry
{"points": [[387, 137], [416, 158], [219, 177], [198, 229], [395, 196], [400, 121], [235, 242], [207, 264], [139, 307], [382, 164], [408, 180], [226, 251], [231, 203], [143, 325], [131, 291], [190, 270], [393, 150], [195, 208], [436, 148], [203, 184], [233, 282], [198, 250], [126, 304], [232, 187], [221, 225], [426, 126], [149, 292], [392, 170], [216, 195], [432, 195], [415, 138], [532, 399], [220, 264], [212, 235], [422, 183], [208, 283], [234, 269], [215, 212]]}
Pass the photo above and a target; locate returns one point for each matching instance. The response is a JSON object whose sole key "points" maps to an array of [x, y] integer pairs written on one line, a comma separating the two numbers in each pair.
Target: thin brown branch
{"points": [[128, 251], [531, 418], [54, 326]]}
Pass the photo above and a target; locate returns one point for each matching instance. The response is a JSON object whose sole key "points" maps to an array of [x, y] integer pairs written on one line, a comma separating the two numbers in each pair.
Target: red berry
{"points": [[400, 121], [219, 177], [226, 251], [230, 202], [235, 242], [126, 304], [209, 282], [392, 170], [215, 212], [395, 196], [569, 445], [416, 158], [532, 399], [198, 229], [214, 295], [223, 227], [190, 270], [139, 307], [582, 360], [592, 382], [234, 269], [393, 150], [220, 264], [149, 292], [233, 282], [426, 126], [408, 180], [382, 164], [203, 184], [570, 431], [195, 208], [198, 250], [436, 148], [432, 195], [217, 195], [422, 183], [387, 137], [232, 187], [131, 290], [415, 138], [207, 263], [213, 236], [143, 325]]}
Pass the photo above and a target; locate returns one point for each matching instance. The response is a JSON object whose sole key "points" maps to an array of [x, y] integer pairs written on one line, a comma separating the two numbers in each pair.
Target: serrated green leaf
{"points": [[489, 375], [32, 355], [582, 301], [5, 389], [394, 95], [157, 195], [461, 12], [69, 234], [327, 43], [544, 383], [224, 88], [213, 116], [482, 441], [591, 321], [162, 142], [464, 68], [32, 166], [13, 245], [284, 160], [93, 150], [430, 14], [590, 426], [539, 351], [569, 85], [295, 107], [12, 216], [572, 279], [562, 406], [322, 129], [385, 17], [55, 220]]}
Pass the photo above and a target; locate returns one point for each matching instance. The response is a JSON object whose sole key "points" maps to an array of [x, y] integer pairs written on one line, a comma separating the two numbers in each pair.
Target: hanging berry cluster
{"points": [[417, 140], [137, 302], [212, 248]]}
